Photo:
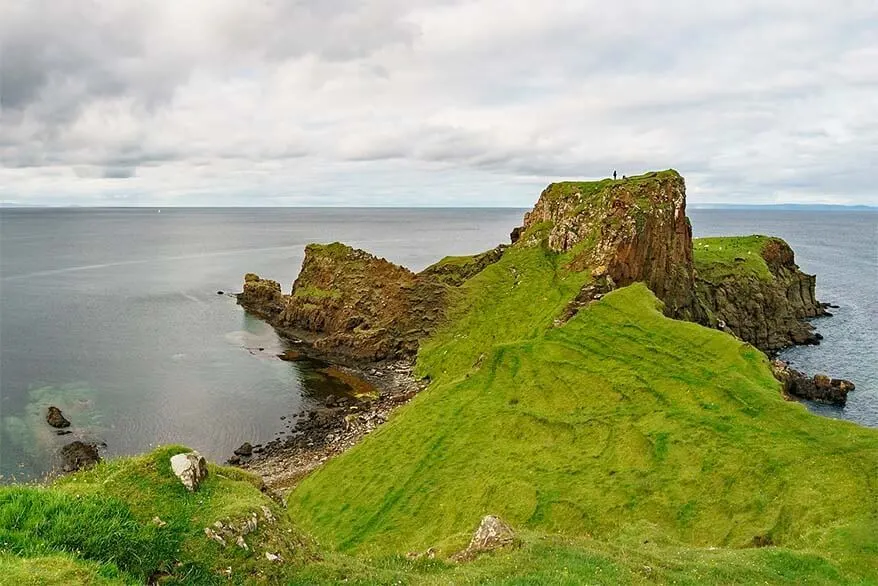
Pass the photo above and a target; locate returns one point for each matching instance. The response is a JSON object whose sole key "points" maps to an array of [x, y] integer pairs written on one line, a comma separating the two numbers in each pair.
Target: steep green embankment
{"points": [[622, 425]]}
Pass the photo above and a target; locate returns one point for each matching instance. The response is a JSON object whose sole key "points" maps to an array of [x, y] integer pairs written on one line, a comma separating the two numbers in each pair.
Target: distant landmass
{"points": [[784, 206]]}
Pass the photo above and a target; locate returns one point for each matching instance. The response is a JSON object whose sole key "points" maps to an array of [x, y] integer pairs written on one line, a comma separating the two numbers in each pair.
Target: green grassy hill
{"points": [[129, 520], [621, 425]]}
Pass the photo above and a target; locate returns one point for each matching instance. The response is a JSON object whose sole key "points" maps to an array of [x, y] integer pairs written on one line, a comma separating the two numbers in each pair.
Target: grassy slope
{"points": [[97, 525], [727, 256], [621, 425]]}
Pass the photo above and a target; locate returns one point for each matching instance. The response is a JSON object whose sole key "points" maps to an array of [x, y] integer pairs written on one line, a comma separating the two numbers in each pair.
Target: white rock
{"points": [[272, 557], [241, 543], [491, 534], [190, 468]]}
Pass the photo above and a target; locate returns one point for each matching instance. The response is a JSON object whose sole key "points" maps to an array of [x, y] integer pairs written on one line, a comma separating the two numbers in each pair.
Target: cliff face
{"points": [[348, 302], [635, 228], [752, 287]]}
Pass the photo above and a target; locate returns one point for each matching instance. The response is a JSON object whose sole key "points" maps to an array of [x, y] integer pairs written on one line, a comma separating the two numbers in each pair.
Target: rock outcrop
{"points": [[636, 228], [819, 387], [350, 303], [766, 307], [262, 296], [190, 468]]}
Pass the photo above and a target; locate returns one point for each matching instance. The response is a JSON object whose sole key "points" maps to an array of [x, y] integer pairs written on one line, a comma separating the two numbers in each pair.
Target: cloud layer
{"points": [[416, 102]]}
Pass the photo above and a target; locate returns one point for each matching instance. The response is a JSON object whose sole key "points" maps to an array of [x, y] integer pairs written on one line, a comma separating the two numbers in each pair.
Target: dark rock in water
{"points": [[234, 460], [245, 450], [55, 418], [819, 388], [63, 432], [220, 292], [79, 456]]}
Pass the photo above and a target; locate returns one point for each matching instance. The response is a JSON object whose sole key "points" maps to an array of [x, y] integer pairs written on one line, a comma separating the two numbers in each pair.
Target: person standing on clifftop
{"points": [[614, 174]]}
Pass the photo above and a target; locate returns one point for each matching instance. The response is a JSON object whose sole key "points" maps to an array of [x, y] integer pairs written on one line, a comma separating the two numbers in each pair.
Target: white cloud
{"points": [[419, 102]]}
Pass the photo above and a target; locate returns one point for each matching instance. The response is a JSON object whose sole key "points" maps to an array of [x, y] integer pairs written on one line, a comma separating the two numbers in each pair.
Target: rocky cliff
{"points": [[634, 229], [753, 288], [351, 303], [348, 302]]}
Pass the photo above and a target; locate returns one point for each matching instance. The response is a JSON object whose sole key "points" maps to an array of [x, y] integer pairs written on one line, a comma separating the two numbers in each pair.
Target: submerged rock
{"points": [[190, 468], [78, 455], [55, 418]]}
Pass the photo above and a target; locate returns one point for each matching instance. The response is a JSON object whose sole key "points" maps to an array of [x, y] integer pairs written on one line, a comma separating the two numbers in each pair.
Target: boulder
{"points": [[190, 468], [55, 418], [245, 450], [820, 387], [491, 534], [78, 455]]}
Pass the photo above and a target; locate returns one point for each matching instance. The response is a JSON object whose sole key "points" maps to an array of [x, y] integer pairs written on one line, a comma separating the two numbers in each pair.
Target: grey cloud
{"points": [[119, 172], [753, 99]]}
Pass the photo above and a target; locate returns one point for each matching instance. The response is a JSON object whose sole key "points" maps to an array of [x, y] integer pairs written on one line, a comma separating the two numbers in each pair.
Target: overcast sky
{"points": [[428, 102]]}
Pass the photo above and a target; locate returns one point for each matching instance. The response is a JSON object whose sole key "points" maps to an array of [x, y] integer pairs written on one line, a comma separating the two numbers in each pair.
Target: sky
{"points": [[433, 102]]}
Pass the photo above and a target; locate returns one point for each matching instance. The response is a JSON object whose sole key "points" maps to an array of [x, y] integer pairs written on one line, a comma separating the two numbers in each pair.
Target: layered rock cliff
{"points": [[635, 227], [753, 288], [348, 302]]}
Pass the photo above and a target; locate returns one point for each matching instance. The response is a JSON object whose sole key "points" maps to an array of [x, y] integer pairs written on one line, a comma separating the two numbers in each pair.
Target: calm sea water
{"points": [[113, 314]]}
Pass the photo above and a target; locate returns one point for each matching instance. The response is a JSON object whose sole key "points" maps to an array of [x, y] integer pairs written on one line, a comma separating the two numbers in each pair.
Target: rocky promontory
{"points": [[752, 287], [349, 303], [634, 229]]}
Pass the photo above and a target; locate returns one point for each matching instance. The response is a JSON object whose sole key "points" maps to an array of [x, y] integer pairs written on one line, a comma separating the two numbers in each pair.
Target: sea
{"points": [[125, 318]]}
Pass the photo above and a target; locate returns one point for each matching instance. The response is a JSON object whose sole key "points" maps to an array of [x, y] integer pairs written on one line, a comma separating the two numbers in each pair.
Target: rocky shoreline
{"points": [[340, 423]]}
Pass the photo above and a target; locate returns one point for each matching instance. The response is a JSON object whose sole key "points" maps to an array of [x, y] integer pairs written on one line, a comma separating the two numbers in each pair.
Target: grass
{"points": [[621, 425], [723, 257], [590, 189], [98, 525]]}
